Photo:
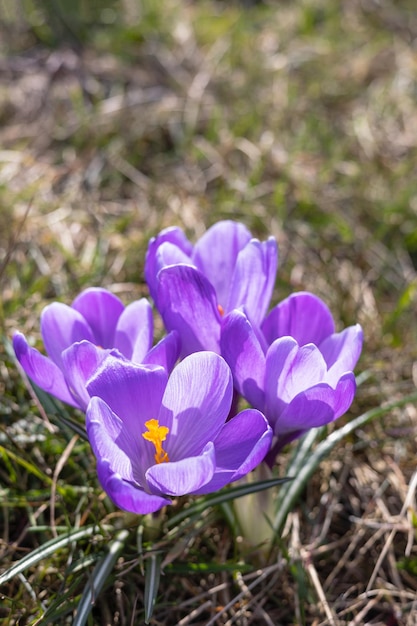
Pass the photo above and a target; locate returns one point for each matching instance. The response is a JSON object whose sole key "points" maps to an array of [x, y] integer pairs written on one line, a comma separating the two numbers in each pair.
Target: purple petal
{"points": [[134, 331], [187, 303], [293, 368], [254, 279], [170, 254], [61, 326], [154, 263], [42, 371], [102, 310], [344, 394], [166, 352], [110, 440], [279, 359], [302, 316], [309, 409], [240, 446], [126, 496], [80, 361], [317, 406], [216, 252], [184, 476], [167, 254], [341, 352], [196, 403], [133, 392], [242, 351]]}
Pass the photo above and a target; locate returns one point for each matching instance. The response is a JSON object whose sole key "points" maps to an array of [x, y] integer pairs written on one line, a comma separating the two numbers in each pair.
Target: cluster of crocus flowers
{"points": [[295, 368], [194, 287], [163, 420], [79, 337]]}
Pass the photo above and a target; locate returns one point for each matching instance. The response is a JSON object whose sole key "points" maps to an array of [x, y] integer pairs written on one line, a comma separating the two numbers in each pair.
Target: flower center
{"points": [[220, 310], [156, 434]]}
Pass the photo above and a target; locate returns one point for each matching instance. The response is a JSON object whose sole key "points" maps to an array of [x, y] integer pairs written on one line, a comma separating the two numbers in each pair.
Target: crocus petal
{"points": [[109, 439], [134, 331], [61, 326], [42, 371], [216, 252], [341, 351], [80, 361], [289, 370], [309, 409], [240, 446], [102, 310], [166, 352], [293, 368], [302, 316], [317, 406], [170, 254], [280, 356], [184, 476], [154, 263], [344, 393], [167, 254], [254, 279], [125, 495], [187, 303], [134, 392], [196, 403], [242, 351]]}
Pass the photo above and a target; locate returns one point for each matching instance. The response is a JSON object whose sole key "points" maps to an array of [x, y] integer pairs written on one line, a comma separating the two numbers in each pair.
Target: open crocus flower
{"points": [[79, 337], [193, 287], [299, 381], [155, 437]]}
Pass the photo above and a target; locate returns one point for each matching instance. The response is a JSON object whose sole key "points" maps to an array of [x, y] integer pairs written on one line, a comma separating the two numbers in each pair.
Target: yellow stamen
{"points": [[157, 434], [220, 309]]}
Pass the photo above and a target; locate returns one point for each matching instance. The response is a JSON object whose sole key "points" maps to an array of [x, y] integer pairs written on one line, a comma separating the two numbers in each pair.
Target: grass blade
{"points": [[99, 577], [31, 468], [152, 576], [47, 549], [224, 496], [307, 466]]}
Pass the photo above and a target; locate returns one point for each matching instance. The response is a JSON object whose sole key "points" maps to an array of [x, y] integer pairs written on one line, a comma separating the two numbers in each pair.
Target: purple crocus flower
{"points": [[155, 437], [297, 370], [79, 337], [193, 287]]}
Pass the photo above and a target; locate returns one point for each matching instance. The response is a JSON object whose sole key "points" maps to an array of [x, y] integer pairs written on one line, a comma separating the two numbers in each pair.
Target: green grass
{"points": [[297, 118]]}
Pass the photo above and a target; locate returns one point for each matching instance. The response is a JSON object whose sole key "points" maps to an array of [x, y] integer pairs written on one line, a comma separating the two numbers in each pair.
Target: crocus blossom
{"points": [[156, 436], [79, 337], [296, 370], [193, 287]]}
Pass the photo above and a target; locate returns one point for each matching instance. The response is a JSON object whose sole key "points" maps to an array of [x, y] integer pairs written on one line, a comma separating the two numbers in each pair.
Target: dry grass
{"points": [[299, 119]]}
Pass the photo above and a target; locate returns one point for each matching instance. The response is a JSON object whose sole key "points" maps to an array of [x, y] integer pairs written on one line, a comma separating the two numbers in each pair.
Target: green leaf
{"points": [[99, 577], [224, 496], [47, 549], [152, 576], [64, 603]]}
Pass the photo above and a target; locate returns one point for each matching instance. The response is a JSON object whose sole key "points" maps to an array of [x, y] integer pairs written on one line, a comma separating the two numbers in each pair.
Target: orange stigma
{"points": [[156, 434], [220, 309]]}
